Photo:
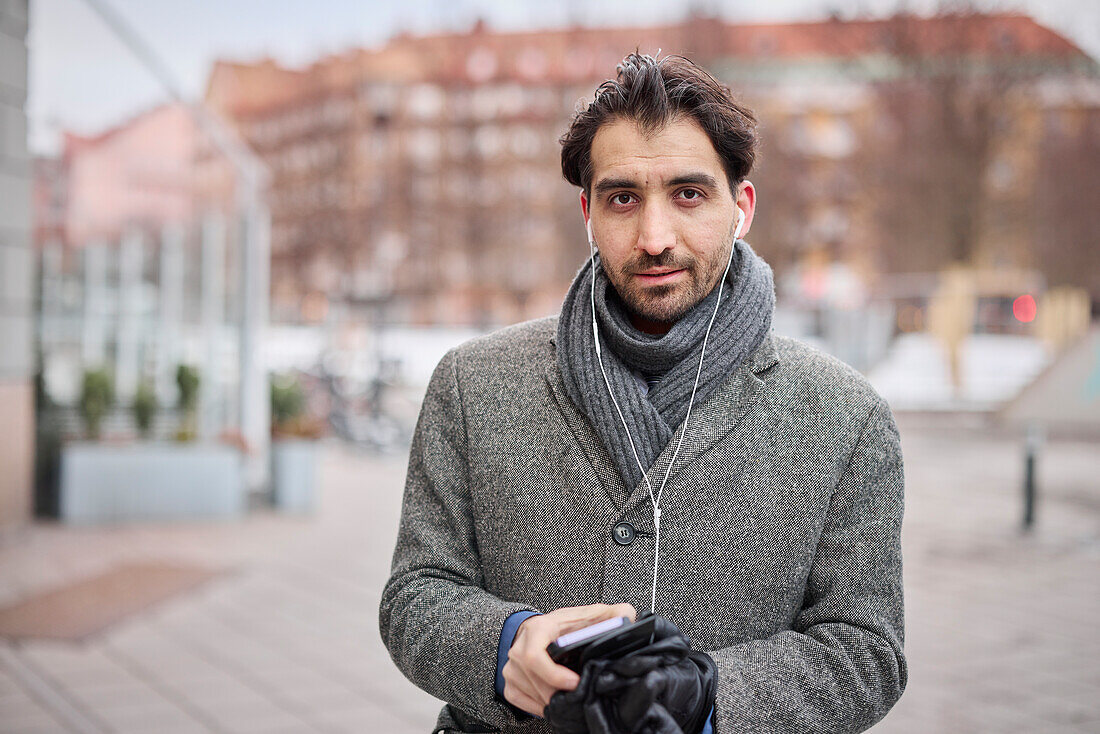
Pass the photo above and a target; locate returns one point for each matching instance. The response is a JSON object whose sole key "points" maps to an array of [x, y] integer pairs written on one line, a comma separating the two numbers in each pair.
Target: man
{"points": [[544, 452]]}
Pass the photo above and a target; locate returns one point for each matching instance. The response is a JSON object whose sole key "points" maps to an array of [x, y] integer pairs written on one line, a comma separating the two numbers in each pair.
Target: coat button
{"points": [[624, 533]]}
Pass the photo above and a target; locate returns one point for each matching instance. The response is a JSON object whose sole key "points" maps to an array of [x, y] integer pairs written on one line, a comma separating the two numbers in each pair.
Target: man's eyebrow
{"points": [[607, 184], [699, 179]]}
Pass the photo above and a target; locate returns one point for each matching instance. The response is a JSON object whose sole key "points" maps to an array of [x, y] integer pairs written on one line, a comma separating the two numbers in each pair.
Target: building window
{"points": [[525, 142], [531, 63], [487, 141], [425, 101], [481, 64], [425, 146]]}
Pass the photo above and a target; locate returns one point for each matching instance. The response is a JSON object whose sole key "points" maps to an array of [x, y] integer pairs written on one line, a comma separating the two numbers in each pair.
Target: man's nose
{"points": [[655, 233]]}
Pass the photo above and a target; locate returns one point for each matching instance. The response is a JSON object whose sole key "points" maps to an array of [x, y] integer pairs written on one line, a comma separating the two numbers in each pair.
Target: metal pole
{"points": [[52, 314], [254, 389], [1032, 443], [127, 367], [171, 312], [240, 155], [94, 331], [213, 321]]}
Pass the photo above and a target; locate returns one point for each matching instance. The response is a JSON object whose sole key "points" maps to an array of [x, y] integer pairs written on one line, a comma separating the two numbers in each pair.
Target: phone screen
{"points": [[591, 631]]}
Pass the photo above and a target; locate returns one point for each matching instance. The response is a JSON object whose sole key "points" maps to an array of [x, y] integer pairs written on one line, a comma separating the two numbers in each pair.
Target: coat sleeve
{"points": [[439, 624], [841, 666]]}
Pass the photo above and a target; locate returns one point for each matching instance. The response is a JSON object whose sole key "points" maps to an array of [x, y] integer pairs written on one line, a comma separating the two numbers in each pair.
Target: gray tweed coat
{"points": [[780, 534]]}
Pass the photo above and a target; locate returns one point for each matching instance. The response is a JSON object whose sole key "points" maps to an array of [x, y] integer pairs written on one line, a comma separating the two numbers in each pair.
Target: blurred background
{"points": [[236, 237]]}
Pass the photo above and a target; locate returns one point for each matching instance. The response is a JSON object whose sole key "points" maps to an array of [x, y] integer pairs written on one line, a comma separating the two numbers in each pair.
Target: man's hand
{"points": [[530, 676]]}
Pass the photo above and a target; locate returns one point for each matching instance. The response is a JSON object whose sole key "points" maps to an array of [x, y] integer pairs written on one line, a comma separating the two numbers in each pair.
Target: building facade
{"points": [[421, 180], [16, 276]]}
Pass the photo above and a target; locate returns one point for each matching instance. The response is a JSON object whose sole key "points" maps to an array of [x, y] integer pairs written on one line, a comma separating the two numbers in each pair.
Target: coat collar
{"points": [[709, 423]]}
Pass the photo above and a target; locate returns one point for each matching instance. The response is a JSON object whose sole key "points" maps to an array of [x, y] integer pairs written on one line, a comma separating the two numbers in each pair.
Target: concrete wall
{"points": [[16, 276]]}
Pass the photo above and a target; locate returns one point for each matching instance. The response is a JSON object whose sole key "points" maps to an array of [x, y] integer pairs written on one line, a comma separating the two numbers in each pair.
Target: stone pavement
{"points": [[1000, 626]]}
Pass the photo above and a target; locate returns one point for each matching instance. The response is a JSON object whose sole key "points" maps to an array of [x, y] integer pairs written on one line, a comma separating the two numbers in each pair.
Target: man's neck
{"points": [[648, 326]]}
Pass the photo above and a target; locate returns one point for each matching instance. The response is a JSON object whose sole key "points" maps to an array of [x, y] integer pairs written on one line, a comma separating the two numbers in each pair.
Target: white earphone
{"points": [[656, 500]]}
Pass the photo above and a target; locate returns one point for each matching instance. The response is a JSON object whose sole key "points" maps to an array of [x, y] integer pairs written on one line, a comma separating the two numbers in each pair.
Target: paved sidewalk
{"points": [[1001, 630], [1000, 627], [286, 641]]}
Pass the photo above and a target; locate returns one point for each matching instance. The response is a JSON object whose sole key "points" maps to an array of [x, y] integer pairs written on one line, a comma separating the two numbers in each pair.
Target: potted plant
{"points": [[145, 409], [97, 395], [293, 447], [188, 381], [148, 480]]}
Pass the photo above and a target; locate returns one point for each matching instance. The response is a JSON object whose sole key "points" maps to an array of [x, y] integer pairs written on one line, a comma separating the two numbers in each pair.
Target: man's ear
{"points": [[746, 201], [586, 214]]}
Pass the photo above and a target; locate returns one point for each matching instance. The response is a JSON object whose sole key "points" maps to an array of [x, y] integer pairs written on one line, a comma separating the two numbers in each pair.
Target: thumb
{"points": [[624, 610], [593, 613]]}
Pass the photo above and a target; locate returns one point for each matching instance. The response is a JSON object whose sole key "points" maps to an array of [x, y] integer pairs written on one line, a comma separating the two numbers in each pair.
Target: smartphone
{"points": [[612, 638]]}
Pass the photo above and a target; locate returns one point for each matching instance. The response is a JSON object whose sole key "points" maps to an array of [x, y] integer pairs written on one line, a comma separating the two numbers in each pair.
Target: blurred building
{"points": [[421, 179], [129, 184], [137, 174], [16, 276], [115, 212]]}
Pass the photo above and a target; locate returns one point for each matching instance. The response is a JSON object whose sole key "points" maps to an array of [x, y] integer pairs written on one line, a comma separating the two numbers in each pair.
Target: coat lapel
{"points": [[711, 420], [587, 439]]}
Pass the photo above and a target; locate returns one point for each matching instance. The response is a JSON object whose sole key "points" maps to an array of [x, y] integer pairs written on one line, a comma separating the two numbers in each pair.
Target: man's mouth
{"points": [[658, 276]]}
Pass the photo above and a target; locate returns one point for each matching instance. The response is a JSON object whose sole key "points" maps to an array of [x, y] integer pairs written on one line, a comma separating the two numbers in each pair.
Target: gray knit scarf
{"points": [[743, 320]]}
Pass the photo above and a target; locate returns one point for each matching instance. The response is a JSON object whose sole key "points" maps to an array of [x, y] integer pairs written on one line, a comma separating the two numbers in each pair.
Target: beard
{"points": [[667, 304]]}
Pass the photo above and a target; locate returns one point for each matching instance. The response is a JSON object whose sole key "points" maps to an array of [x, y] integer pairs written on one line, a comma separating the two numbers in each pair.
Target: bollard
{"points": [[1032, 443], [1029, 487]]}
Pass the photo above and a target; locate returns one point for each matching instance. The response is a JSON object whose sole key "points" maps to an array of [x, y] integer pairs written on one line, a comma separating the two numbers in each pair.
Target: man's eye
{"points": [[622, 199], [690, 194]]}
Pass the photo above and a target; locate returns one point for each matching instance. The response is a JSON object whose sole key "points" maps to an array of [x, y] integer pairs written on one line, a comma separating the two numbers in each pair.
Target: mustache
{"points": [[666, 259]]}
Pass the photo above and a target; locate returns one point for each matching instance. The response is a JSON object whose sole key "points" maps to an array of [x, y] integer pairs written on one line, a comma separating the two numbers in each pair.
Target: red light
{"points": [[1023, 308]]}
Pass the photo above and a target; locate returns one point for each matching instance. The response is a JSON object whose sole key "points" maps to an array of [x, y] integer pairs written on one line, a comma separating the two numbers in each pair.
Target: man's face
{"points": [[662, 216]]}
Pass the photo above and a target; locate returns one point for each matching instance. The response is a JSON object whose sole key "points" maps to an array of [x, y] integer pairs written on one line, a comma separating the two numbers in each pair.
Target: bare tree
{"points": [[929, 158], [1064, 208]]}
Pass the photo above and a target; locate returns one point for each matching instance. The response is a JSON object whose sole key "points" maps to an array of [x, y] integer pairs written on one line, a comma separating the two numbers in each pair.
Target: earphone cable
{"points": [[655, 501]]}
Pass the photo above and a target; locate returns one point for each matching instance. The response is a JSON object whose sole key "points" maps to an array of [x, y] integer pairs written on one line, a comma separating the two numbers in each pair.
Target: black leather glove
{"points": [[663, 688]]}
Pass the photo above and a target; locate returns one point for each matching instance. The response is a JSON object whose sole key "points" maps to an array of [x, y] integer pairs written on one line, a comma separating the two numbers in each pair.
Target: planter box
{"points": [[150, 481], [293, 474]]}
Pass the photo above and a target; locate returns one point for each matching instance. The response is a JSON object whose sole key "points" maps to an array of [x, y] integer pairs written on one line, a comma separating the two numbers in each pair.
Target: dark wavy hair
{"points": [[653, 93]]}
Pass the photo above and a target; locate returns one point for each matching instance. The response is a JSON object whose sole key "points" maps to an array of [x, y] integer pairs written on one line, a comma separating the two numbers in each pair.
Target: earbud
{"points": [[588, 228]]}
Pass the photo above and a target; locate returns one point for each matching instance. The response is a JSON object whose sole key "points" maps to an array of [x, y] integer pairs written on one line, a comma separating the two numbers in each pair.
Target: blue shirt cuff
{"points": [[507, 637], [708, 728]]}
